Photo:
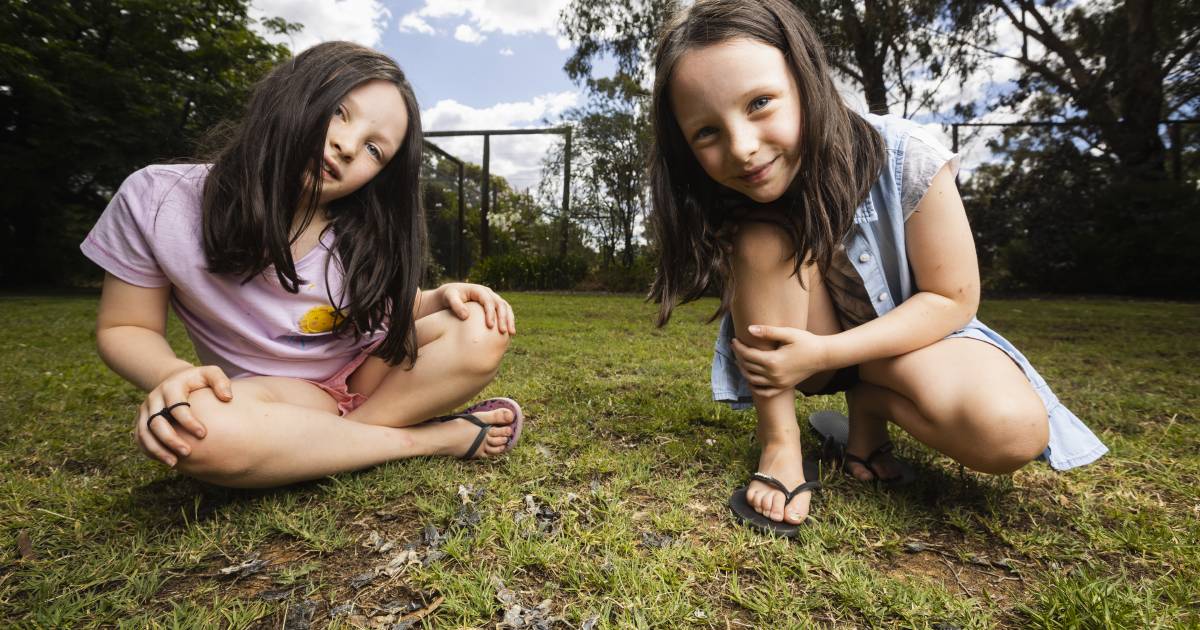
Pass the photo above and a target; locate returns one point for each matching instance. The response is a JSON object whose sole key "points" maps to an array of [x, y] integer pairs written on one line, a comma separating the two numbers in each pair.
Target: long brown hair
{"points": [[841, 154], [270, 167]]}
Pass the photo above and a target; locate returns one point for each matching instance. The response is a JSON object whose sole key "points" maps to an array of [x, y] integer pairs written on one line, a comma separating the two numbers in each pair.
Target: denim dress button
{"points": [[865, 257]]}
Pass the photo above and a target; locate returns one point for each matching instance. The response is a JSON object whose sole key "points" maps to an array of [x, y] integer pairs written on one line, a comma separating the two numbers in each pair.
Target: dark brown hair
{"points": [[841, 154], [269, 170]]}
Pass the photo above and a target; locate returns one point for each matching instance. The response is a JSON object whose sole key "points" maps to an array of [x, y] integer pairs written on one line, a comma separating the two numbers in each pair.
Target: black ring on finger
{"points": [[165, 412]]}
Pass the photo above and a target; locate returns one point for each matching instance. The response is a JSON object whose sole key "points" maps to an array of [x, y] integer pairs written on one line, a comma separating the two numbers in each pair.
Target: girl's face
{"points": [[366, 130], [739, 109]]}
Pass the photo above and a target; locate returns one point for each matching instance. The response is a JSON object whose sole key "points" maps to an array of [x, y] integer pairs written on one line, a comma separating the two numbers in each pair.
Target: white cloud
{"points": [[465, 33], [360, 21], [506, 52], [516, 158], [510, 17], [413, 23]]}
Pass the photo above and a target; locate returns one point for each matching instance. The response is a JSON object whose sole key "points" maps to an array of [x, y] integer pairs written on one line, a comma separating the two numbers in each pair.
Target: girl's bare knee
{"points": [[481, 347], [221, 456], [1020, 434], [760, 246]]}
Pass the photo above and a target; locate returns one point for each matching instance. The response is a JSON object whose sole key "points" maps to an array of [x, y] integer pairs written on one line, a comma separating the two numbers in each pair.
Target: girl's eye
{"points": [[340, 112], [704, 133], [375, 152], [759, 103]]}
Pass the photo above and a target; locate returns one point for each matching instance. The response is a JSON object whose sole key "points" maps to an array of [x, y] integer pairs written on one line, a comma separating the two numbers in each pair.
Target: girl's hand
{"points": [[154, 429], [771, 372], [496, 311]]}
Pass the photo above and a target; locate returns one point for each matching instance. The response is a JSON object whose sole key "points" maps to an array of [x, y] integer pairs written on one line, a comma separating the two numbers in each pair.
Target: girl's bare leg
{"points": [[278, 430], [962, 397], [766, 291], [456, 360]]}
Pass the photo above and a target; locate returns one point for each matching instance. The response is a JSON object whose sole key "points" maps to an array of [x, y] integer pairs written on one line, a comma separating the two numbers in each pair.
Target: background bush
{"points": [[519, 272]]}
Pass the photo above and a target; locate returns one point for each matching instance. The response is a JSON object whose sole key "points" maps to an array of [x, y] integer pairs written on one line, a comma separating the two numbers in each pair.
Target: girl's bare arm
{"points": [[941, 252], [130, 333]]}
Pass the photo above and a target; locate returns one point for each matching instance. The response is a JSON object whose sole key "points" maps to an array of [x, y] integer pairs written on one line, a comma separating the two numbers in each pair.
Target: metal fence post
{"points": [[485, 197], [566, 201]]}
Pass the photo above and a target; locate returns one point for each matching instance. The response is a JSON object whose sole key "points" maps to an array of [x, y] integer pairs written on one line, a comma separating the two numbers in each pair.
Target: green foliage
{"points": [[635, 278], [518, 271], [1122, 66], [91, 91], [1057, 219], [890, 48]]}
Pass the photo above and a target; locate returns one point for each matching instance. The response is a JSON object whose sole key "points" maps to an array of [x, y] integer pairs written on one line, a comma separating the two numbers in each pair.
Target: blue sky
{"points": [[475, 64], [479, 75]]}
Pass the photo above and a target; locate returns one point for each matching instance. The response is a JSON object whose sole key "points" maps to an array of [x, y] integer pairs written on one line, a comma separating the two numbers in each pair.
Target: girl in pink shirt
{"points": [[293, 262]]}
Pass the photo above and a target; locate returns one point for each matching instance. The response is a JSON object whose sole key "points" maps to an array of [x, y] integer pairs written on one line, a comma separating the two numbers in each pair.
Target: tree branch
{"points": [[1047, 37], [1186, 50]]}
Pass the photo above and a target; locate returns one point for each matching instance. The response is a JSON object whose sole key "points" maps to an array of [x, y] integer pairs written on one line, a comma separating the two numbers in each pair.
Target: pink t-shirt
{"points": [[150, 236]]}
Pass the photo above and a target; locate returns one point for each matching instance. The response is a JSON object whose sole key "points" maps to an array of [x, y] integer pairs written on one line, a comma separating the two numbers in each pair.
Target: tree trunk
{"points": [[1137, 142]]}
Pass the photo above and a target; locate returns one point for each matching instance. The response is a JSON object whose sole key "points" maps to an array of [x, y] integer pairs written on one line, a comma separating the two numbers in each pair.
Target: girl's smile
{"points": [[759, 174], [329, 169], [739, 110]]}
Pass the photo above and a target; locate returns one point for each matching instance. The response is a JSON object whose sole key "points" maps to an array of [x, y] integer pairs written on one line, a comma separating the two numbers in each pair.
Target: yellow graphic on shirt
{"points": [[320, 319]]}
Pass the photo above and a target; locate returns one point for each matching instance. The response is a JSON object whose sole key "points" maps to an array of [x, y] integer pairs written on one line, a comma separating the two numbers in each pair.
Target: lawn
{"points": [[611, 512]]}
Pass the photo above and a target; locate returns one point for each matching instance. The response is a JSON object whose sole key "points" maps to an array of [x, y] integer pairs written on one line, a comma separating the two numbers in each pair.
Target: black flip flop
{"points": [[834, 430], [745, 513], [473, 419]]}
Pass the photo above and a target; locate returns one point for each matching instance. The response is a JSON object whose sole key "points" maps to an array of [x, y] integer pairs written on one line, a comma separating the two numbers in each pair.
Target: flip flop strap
{"points": [[788, 495], [473, 419], [869, 461]]}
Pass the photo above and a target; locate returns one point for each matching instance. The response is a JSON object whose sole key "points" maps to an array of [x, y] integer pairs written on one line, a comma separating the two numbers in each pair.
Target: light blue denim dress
{"points": [[876, 249]]}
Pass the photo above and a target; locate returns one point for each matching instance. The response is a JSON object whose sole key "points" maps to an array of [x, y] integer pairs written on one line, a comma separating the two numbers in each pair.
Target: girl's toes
{"points": [[500, 417], [793, 513], [860, 472], [776, 507], [497, 440], [752, 498]]}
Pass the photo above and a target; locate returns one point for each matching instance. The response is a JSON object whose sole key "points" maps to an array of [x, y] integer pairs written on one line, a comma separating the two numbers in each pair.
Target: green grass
{"points": [[612, 510]]}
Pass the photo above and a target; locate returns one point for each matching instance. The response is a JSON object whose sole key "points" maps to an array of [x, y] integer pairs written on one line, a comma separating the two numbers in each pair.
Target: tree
{"points": [[612, 134], [887, 47], [92, 90], [1123, 66]]}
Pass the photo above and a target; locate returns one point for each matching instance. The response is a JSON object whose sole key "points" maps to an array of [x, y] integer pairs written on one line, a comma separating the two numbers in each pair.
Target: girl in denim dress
{"points": [[845, 263]]}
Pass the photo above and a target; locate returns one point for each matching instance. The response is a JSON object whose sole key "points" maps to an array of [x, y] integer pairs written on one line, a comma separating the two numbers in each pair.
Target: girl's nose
{"points": [[338, 148], [743, 143]]}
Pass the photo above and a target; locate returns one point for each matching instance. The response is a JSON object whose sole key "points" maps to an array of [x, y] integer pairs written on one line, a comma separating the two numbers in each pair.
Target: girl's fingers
{"points": [[160, 427], [489, 311], [150, 445], [758, 380], [162, 430], [746, 352], [512, 318], [750, 367], [172, 396], [186, 419], [454, 301], [215, 378], [767, 392], [139, 422]]}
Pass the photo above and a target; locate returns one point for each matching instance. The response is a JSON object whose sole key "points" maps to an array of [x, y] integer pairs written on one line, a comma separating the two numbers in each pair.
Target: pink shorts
{"points": [[337, 387]]}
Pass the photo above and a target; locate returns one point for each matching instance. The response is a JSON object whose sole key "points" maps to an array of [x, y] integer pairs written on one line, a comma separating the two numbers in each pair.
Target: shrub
{"points": [[619, 279], [516, 271]]}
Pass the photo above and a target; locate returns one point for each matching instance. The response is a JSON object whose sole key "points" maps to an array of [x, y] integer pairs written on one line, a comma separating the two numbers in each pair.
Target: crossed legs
{"points": [[962, 397], [280, 430]]}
